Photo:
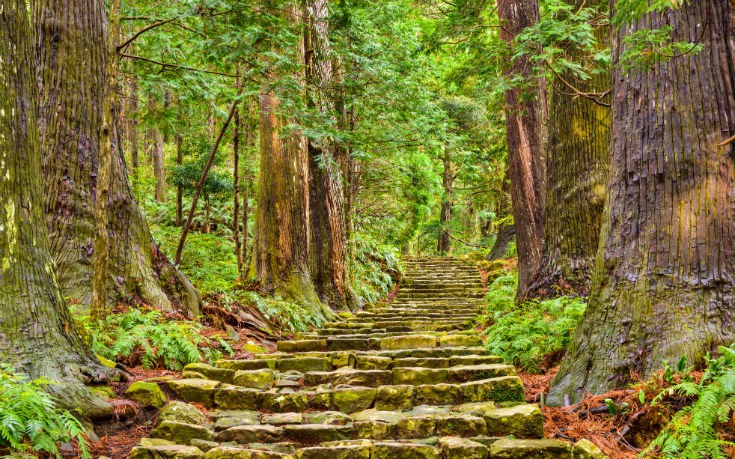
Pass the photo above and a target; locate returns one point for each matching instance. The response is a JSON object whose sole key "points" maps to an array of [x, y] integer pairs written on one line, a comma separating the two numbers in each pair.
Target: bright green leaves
{"points": [[31, 423], [628, 11]]}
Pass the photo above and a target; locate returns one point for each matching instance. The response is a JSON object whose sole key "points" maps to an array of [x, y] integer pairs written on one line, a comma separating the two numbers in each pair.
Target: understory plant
{"points": [[374, 268], [148, 338], [31, 422], [693, 432], [527, 333], [284, 315]]}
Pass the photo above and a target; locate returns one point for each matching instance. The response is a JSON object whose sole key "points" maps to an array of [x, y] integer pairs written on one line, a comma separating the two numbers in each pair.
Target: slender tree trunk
{"points": [[327, 201], [236, 186], [525, 113], [132, 128], [280, 261], [179, 190], [71, 79], [577, 165], [38, 333], [443, 244], [663, 280], [155, 151], [246, 193]]}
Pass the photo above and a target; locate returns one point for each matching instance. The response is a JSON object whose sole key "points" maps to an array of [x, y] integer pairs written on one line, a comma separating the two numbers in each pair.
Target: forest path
{"points": [[408, 380]]}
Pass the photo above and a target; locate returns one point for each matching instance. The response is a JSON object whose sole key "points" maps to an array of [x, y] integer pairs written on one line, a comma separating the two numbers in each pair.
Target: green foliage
{"points": [[292, 317], [524, 334], [31, 423], [148, 338], [692, 432], [374, 267]]}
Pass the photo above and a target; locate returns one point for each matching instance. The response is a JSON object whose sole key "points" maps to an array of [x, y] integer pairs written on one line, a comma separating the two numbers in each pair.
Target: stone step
{"points": [[413, 376], [365, 343], [343, 398]]}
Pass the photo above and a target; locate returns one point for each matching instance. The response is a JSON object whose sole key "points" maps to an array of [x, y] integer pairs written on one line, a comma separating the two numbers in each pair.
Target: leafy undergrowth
{"points": [[31, 423], [533, 335], [150, 339]]}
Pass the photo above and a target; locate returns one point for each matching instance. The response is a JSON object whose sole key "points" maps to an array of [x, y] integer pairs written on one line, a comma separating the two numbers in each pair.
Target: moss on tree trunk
{"points": [[663, 280], [71, 77], [37, 333]]}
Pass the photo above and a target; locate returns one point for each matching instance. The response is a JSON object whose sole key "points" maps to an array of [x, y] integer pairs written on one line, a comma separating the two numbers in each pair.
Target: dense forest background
{"points": [[262, 167]]}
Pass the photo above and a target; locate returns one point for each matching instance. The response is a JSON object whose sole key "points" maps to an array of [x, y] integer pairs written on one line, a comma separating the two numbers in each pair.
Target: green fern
{"points": [[31, 424], [692, 432], [524, 334], [149, 339]]}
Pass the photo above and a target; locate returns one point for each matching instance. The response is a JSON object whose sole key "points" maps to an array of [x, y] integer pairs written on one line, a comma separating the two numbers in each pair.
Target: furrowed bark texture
{"points": [[71, 77], [327, 201], [577, 166], [525, 116], [37, 333], [663, 282], [443, 244], [281, 246]]}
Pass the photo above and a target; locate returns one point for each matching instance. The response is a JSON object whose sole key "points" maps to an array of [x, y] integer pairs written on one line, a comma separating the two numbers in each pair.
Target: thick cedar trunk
{"points": [[38, 333], [525, 116], [71, 78], [280, 262], [101, 258], [577, 165], [327, 202], [663, 280], [443, 244]]}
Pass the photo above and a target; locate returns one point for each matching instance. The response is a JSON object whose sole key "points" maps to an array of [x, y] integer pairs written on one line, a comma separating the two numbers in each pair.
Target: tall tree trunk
{"points": [[443, 244], [155, 151], [525, 116], [246, 192], [327, 200], [71, 32], [663, 280], [101, 258], [236, 187], [179, 188], [132, 128], [280, 261], [38, 333], [577, 165]]}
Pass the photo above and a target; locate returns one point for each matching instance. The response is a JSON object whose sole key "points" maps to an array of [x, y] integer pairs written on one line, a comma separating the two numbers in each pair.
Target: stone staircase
{"points": [[405, 381]]}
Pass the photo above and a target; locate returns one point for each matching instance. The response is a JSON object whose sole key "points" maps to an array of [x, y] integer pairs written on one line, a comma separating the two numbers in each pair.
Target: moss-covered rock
{"points": [[148, 394], [372, 362], [256, 364], [503, 389], [437, 394], [521, 421], [462, 448], [283, 402], [224, 375], [459, 341], [255, 379], [327, 417], [251, 434], [419, 376], [408, 342], [195, 390], [415, 427], [306, 345], [181, 433], [394, 398], [230, 397], [585, 449], [352, 399], [304, 364], [311, 434], [530, 449], [181, 412], [335, 452], [166, 452], [405, 451]]}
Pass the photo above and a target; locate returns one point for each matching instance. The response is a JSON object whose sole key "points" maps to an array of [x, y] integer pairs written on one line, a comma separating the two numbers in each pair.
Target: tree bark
{"points": [[577, 166], [236, 189], [71, 77], [280, 260], [663, 280], [155, 151], [37, 332], [525, 116], [443, 244], [327, 201]]}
